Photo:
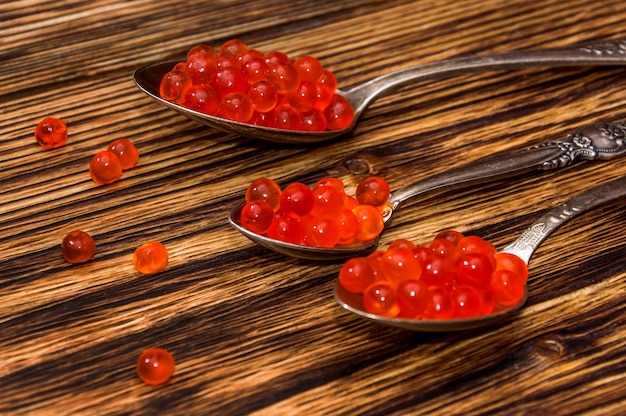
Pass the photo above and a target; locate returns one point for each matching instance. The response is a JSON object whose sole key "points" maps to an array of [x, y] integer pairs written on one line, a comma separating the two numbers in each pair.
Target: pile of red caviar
{"points": [[108, 165], [323, 215], [248, 86], [455, 276]]}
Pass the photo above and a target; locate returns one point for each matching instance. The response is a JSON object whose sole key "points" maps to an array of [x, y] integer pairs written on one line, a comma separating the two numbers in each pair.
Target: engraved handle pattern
{"points": [[531, 239], [600, 141]]}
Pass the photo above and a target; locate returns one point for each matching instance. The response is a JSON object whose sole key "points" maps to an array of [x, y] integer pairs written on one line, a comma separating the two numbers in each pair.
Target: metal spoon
{"points": [[613, 52], [523, 247], [601, 141]]}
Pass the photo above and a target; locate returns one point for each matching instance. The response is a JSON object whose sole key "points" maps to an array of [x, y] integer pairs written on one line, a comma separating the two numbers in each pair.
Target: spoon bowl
{"points": [[148, 79], [523, 247], [599, 141]]}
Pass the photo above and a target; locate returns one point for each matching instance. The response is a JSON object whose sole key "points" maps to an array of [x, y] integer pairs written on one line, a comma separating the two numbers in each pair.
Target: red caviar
{"points": [[78, 247], [452, 277], [51, 133], [320, 216], [155, 366], [125, 151], [287, 94], [150, 258], [105, 167]]}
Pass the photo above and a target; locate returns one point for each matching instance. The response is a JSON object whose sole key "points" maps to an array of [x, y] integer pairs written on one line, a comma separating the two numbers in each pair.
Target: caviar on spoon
{"points": [[148, 79], [600, 141], [523, 247]]}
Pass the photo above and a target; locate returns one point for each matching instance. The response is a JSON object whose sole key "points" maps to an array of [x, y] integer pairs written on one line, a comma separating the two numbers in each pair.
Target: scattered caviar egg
{"points": [[453, 276], [78, 247], [51, 133], [322, 215], [150, 257], [155, 366], [125, 151], [290, 94], [105, 167]]}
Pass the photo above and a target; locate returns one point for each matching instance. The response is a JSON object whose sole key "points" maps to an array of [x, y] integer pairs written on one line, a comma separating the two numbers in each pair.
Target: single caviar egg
{"points": [[78, 247], [105, 167], [125, 151], [155, 366], [150, 258], [51, 133]]}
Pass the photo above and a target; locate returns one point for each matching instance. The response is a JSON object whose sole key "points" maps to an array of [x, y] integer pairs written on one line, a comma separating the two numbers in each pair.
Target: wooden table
{"points": [[254, 332]]}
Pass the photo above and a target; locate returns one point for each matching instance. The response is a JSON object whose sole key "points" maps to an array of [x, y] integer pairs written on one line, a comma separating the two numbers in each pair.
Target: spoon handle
{"points": [[611, 52], [526, 244], [598, 141]]}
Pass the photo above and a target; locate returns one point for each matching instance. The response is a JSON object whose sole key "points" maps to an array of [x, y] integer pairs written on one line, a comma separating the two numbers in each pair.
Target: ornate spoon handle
{"points": [[526, 244], [599, 141], [597, 53]]}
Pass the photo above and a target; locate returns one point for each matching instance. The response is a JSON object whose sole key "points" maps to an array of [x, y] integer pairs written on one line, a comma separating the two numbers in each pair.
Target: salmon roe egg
{"points": [[78, 247], [287, 117], [356, 275], [233, 47], [309, 68], [204, 49], [105, 167], [312, 120], [203, 98], [321, 231], [257, 216], [370, 222], [339, 113], [263, 96], [125, 151], [236, 106], [155, 366], [200, 67], [150, 257], [264, 189], [174, 86], [297, 199], [51, 133], [286, 228], [372, 191], [380, 299], [283, 76]]}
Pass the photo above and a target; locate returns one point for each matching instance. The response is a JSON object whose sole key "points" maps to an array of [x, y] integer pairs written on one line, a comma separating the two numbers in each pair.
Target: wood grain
{"points": [[254, 332]]}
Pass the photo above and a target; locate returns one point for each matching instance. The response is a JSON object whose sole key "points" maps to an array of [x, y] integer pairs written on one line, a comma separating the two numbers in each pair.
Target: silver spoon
{"points": [[523, 247], [601, 141], [613, 52]]}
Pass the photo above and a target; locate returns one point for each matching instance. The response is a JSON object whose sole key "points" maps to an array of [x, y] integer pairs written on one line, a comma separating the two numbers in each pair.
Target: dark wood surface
{"points": [[254, 332]]}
